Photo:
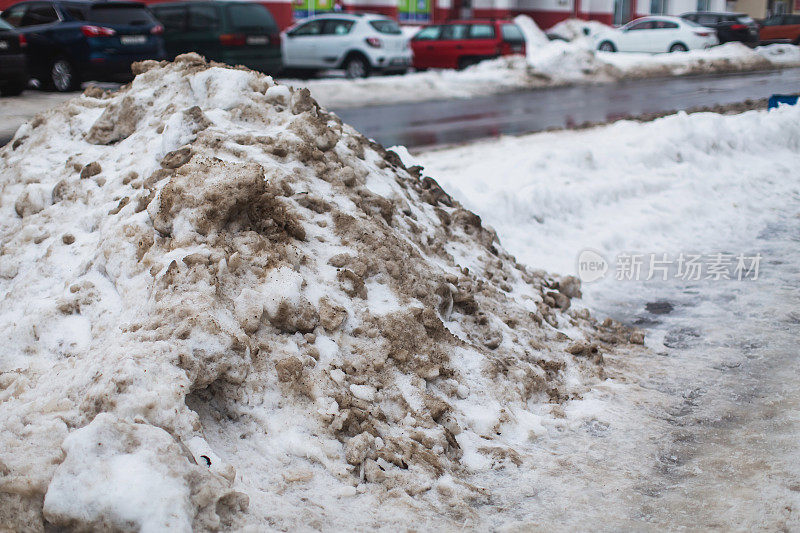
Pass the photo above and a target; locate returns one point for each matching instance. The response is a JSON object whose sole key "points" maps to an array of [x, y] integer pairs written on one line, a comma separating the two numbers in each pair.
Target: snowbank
{"points": [[224, 308], [572, 29], [683, 183], [548, 64]]}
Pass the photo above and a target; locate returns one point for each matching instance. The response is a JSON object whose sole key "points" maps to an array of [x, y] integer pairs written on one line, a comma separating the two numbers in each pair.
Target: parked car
{"points": [[729, 26], [781, 28], [13, 70], [656, 34], [459, 44], [74, 40], [237, 33], [358, 43]]}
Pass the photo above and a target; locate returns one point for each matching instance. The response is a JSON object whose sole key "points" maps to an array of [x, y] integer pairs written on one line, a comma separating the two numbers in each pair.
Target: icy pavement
{"points": [[702, 432]]}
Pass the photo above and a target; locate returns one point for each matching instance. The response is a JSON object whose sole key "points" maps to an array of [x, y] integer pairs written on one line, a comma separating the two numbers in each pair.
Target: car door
{"points": [[300, 46], [770, 28], [481, 40], [334, 41], [792, 27], [39, 26], [425, 45], [635, 36], [665, 33], [451, 46], [203, 28]]}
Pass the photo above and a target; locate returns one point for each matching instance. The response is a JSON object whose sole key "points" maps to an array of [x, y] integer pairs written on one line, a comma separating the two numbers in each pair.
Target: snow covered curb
{"points": [[555, 63]]}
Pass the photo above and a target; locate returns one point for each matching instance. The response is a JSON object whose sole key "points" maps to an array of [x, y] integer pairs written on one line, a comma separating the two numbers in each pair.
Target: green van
{"points": [[236, 33]]}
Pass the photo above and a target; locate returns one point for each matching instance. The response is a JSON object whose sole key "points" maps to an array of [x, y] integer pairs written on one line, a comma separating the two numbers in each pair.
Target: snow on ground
{"points": [[223, 308], [551, 195], [700, 433]]}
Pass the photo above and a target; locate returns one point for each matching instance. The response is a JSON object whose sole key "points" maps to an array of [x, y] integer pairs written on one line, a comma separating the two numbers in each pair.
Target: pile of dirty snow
{"points": [[572, 29], [224, 307]]}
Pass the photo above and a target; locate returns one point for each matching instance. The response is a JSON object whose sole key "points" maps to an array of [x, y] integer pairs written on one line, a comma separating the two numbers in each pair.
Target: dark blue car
{"points": [[75, 40]]}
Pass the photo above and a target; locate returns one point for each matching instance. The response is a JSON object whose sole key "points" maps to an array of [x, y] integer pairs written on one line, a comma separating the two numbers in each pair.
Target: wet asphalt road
{"points": [[459, 120], [454, 121]]}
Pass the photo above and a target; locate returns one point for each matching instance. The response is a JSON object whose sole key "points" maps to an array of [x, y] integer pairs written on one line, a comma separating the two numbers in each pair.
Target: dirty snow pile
{"points": [[546, 64], [222, 307], [571, 29]]}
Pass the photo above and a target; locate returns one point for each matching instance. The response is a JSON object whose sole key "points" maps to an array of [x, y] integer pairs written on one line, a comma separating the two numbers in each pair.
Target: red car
{"points": [[461, 43]]}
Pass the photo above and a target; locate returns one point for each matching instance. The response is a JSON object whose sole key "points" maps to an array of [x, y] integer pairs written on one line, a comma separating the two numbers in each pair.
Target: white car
{"points": [[359, 44], [656, 34]]}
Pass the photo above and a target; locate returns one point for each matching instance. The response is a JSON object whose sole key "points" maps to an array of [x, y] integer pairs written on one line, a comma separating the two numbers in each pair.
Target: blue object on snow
{"points": [[776, 99]]}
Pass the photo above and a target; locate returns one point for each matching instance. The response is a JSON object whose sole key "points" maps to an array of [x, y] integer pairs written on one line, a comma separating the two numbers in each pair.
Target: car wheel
{"points": [[63, 76], [356, 67], [607, 46], [678, 47], [14, 88]]}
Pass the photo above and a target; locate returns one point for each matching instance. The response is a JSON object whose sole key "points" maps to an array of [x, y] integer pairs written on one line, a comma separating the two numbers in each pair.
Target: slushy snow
{"points": [[224, 308]]}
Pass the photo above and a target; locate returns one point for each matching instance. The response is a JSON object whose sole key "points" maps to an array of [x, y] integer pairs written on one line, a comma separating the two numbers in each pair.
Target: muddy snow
{"points": [[224, 308]]}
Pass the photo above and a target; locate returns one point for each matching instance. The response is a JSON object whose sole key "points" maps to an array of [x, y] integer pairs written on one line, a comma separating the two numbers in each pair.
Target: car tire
{"points": [[14, 88], [607, 46], [356, 67], [63, 76], [678, 47]]}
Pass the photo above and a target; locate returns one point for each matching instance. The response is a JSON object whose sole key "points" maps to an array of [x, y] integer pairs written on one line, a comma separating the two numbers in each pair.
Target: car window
{"points": [[454, 32], [512, 33], [481, 31], [14, 14], [664, 25], [251, 17], [431, 33], [386, 26], [772, 21], [744, 19], [643, 25], [706, 20], [202, 18], [120, 14], [74, 12], [39, 14], [309, 28], [5, 25], [792, 19], [173, 18], [337, 27]]}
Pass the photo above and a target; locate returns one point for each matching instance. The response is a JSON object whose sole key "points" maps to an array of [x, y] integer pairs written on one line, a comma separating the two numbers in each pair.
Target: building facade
{"points": [[546, 13]]}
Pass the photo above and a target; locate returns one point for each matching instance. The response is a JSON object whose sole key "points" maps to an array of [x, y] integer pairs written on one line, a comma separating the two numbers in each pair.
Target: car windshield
{"points": [[512, 33], [5, 25], [124, 14], [386, 26], [744, 19], [251, 17]]}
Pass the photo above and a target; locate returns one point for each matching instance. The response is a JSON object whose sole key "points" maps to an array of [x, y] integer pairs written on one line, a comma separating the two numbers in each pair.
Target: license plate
{"points": [[3, 45], [257, 40], [133, 39]]}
